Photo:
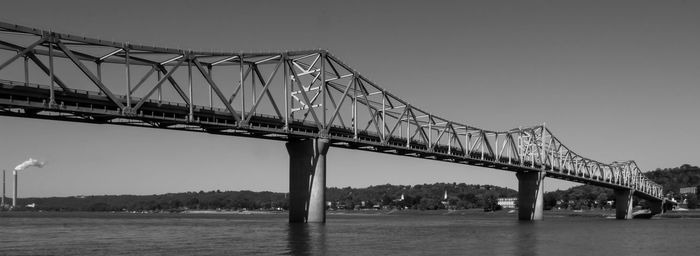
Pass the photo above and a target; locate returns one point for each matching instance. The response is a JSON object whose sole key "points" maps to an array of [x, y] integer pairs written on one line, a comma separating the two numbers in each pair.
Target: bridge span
{"points": [[310, 99]]}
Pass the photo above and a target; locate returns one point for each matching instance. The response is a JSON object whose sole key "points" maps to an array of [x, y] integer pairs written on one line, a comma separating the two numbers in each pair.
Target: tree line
{"points": [[588, 196], [422, 197], [419, 197]]}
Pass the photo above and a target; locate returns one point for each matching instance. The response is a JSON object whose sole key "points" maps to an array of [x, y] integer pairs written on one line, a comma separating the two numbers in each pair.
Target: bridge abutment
{"points": [[623, 204], [307, 179], [530, 195]]}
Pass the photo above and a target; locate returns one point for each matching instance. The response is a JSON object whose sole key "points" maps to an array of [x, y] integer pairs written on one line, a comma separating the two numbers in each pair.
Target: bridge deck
{"points": [[29, 100]]}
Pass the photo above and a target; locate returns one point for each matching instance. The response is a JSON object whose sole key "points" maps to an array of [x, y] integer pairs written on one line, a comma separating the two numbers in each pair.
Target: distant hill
{"points": [[166, 202], [587, 196], [672, 179], [423, 197]]}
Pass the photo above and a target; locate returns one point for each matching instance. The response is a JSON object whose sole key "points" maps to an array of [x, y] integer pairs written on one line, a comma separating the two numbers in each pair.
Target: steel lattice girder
{"points": [[307, 93]]}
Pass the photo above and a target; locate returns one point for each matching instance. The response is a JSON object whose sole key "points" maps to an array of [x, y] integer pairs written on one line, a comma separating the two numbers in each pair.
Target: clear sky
{"points": [[614, 80]]}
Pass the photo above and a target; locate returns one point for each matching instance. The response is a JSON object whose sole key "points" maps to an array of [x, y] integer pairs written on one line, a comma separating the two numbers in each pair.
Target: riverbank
{"points": [[595, 213], [611, 213], [478, 213]]}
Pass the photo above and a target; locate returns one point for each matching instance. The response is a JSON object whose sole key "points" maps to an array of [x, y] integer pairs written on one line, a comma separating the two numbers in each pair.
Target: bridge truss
{"points": [[273, 95]]}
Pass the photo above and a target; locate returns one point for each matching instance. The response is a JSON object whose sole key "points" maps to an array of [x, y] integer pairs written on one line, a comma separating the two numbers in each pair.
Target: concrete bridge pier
{"points": [[657, 207], [307, 179], [530, 195], [623, 204]]}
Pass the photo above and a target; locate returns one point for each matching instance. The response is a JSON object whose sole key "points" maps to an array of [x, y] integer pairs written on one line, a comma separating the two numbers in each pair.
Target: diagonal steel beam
{"points": [[487, 143], [89, 74], [338, 106], [309, 107], [217, 91], [38, 62], [47, 71], [335, 71], [398, 122], [143, 79], [166, 77], [425, 136], [437, 140], [305, 97], [337, 86], [266, 91], [171, 80], [477, 142], [459, 142], [235, 92], [335, 105], [22, 52], [372, 112]]}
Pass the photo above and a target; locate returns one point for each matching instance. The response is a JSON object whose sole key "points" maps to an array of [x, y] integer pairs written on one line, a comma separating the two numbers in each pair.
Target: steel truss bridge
{"points": [[273, 95]]}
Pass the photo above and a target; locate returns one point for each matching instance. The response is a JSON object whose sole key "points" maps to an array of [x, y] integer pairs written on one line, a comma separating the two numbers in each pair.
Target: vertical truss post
{"points": [[253, 88], [408, 127], [189, 81], [128, 78], [498, 153], [211, 100], [430, 133], [323, 87], [354, 105], [532, 146], [468, 138], [520, 147], [291, 88], [560, 160], [52, 100], [509, 140], [543, 152], [482, 142], [286, 91], [26, 69], [383, 116], [160, 90], [551, 157], [243, 115], [449, 144], [98, 67]]}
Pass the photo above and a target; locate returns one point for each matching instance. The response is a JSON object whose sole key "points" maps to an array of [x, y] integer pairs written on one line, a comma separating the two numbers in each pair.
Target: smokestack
{"points": [[14, 195], [20, 167], [3, 189]]}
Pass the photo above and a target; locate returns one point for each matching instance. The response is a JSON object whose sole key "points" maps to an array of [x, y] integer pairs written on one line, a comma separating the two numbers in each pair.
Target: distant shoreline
{"points": [[597, 213], [230, 212]]}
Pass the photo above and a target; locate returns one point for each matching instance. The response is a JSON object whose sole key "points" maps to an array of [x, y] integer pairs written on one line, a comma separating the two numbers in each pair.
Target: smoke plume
{"points": [[28, 163]]}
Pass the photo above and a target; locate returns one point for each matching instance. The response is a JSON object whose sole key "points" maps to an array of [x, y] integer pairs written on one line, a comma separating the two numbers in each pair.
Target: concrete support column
{"points": [[530, 195], [657, 207], [307, 179], [623, 204]]}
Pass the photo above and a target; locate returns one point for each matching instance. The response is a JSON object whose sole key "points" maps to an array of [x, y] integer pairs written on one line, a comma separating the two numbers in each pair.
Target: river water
{"points": [[344, 234]]}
